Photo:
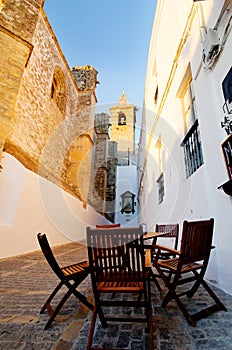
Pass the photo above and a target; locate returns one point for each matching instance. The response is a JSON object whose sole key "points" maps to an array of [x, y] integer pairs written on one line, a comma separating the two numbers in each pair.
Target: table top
{"points": [[150, 235]]}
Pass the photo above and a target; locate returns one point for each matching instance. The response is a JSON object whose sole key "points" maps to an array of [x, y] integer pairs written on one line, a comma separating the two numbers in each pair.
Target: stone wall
{"points": [[18, 21], [112, 163], [99, 166], [19, 17], [44, 112]]}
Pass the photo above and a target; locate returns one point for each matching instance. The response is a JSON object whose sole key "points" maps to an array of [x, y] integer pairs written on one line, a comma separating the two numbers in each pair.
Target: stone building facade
{"points": [[112, 162], [113, 148], [47, 110], [104, 165], [97, 195]]}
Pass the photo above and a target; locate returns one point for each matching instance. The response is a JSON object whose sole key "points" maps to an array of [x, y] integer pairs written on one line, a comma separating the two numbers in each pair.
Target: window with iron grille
{"points": [[192, 140], [160, 183], [192, 150]]}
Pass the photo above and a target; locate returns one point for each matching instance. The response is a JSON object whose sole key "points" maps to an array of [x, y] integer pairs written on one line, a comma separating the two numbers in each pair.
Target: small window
{"points": [[156, 95], [159, 154], [227, 90], [160, 183], [188, 106], [192, 141], [121, 119], [192, 150], [227, 152]]}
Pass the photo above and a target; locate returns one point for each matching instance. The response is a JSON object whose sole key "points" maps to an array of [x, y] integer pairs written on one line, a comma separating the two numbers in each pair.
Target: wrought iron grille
{"points": [[160, 183], [192, 150]]}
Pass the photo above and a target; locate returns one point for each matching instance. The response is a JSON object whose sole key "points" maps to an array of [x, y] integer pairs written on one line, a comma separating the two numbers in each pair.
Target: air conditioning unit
{"points": [[211, 43]]}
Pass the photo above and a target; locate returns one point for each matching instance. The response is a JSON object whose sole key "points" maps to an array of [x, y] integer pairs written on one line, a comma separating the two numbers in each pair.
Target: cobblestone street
{"points": [[27, 280]]}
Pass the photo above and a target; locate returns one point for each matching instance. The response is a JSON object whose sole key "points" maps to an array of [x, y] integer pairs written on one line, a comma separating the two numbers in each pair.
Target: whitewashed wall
{"points": [[197, 197], [30, 204]]}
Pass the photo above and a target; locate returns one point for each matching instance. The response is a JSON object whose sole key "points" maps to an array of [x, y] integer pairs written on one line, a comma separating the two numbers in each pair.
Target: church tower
{"points": [[122, 129]]}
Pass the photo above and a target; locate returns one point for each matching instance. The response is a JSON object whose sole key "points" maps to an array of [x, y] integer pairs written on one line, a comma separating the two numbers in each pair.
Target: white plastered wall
{"points": [[30, 204], [197, 197]]}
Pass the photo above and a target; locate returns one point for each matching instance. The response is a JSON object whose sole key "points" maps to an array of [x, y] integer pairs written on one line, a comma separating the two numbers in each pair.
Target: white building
{"points": [[188, 94]]}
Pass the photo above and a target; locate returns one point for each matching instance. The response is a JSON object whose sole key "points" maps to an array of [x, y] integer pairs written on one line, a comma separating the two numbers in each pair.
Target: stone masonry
{"points": [[17, 26]]}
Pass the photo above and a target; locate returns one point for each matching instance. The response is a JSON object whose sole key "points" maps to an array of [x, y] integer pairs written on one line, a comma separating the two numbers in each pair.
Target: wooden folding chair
{"points": [[70, 276], [117, 265], [172, 233], [189, 266]]}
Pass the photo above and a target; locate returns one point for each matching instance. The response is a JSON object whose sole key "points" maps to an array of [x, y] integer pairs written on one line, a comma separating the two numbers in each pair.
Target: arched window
{"points": [[58, 89]]}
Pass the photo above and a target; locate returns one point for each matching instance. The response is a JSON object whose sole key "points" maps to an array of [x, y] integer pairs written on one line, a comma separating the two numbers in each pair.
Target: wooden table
{"points": [[148, 258], [150, 235]]}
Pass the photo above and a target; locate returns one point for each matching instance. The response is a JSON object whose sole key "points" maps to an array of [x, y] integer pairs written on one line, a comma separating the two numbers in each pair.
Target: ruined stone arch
{"points": [[59, 89]]}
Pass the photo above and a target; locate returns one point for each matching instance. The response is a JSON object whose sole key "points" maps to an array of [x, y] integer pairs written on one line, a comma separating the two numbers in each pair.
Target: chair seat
{"points": [[72, 270], [120, 286], [172, 264], [121, 283]]}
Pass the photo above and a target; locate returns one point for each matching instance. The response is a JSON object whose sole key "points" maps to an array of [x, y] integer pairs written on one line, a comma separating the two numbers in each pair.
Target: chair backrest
{"points": [[115, 253], [46, 249], [196, 242], [172, 231], [108, 226]]}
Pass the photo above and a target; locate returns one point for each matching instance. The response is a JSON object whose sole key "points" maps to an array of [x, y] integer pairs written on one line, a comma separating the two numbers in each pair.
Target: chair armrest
{"points": [[159, 249], [167, 249]]}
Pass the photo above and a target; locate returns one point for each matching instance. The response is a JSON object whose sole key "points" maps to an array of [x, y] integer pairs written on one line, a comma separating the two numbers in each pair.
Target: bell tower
{"points": [[122, 129]]}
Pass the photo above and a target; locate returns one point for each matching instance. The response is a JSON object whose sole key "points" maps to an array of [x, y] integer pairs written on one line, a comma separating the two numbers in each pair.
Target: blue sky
{"points": [[112, 36]]}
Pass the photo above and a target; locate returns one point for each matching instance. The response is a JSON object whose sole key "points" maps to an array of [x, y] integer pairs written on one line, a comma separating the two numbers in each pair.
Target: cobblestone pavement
{"points": [[27, 280]]}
